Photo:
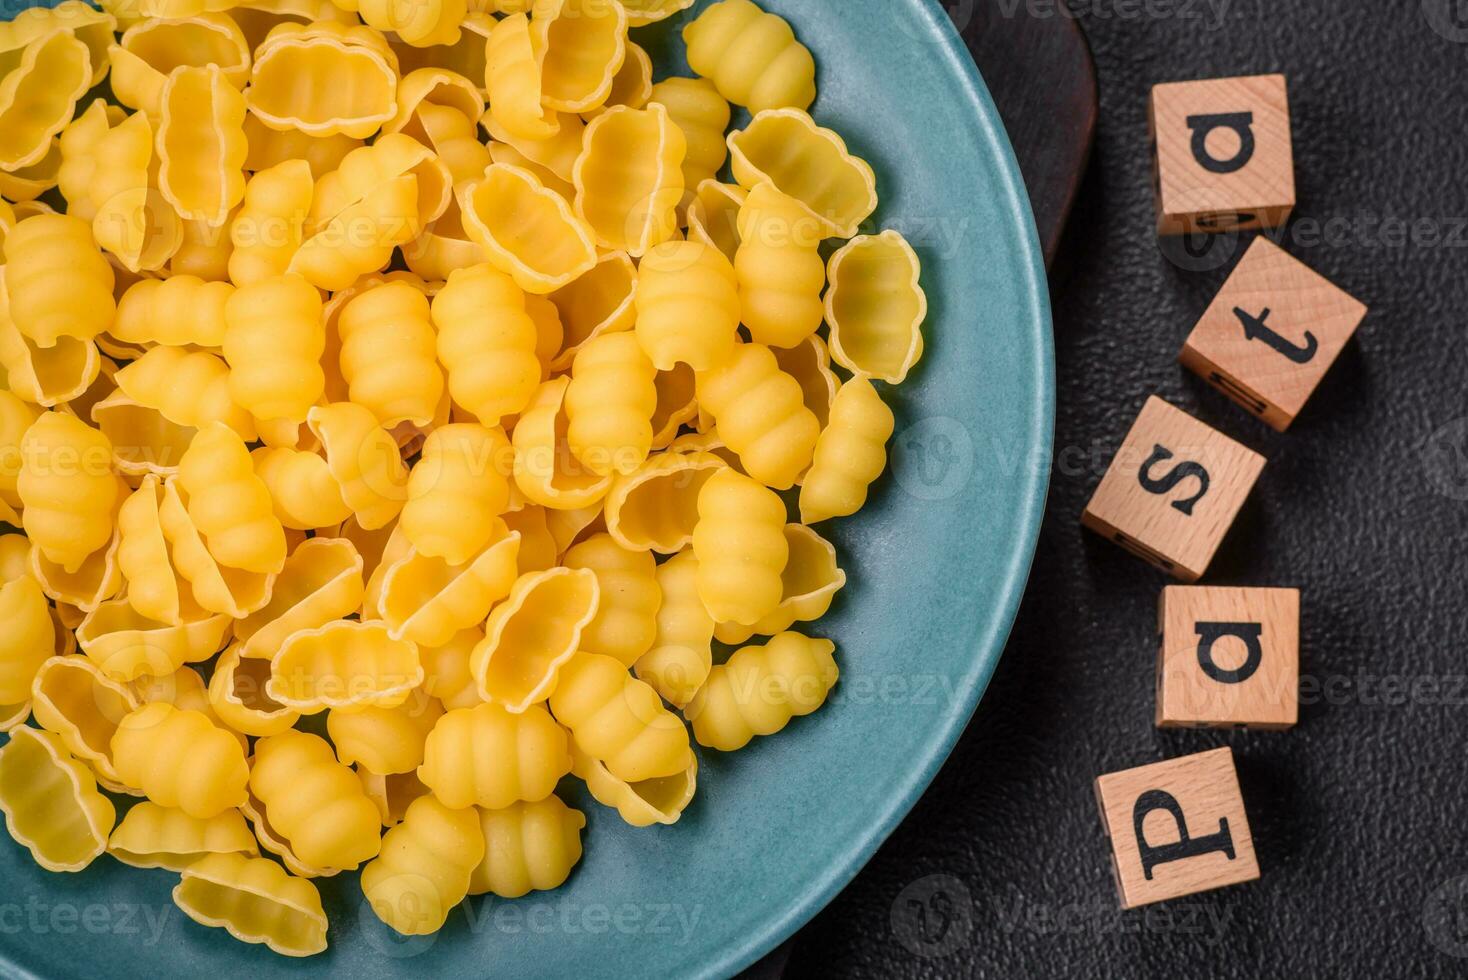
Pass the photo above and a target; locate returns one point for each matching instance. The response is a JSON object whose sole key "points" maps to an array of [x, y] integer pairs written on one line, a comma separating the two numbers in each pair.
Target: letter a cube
{"points": [[1173, 490], [1228, 657], [1271, 333], [1176, 827], [1222, 154]]}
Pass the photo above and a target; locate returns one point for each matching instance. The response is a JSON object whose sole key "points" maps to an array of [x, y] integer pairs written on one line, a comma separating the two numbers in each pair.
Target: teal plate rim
{"points": [[1011, 188]]}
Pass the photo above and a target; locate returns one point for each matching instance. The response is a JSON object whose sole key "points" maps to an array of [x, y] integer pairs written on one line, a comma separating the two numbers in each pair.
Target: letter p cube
{"points": [[1176, 827], [1222, 153]]}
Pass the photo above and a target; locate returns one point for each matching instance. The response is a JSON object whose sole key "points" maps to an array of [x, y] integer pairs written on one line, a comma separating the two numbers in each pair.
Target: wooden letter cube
{"points": [[1222, 154], [1228, 657], [1176, 828], [1173, 490], [1271, 333]]}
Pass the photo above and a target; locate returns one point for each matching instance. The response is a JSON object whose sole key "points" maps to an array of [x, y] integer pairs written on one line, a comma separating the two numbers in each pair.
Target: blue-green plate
{"points": [[937, 563]]}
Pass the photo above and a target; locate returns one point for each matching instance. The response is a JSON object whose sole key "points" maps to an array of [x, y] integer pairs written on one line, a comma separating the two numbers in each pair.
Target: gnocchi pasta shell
{"points": [[87, 24], [126, 644], [876, 306], [322, 581], [97, 579], [600, 301], [581, 46], [153, 836], [426, 600], [546, 471], [239, 699], [38, 96], [656, 508], [660, 800], [29, 638], [809, 163], [529, 232], [50, 801], [629, 178], [44, 376], [201, 145], [74, 699], [149, 50], [532, 633], [256, 901], [490, 757], [324, 79], [365, 461], [216, 588], [514, 81], [528, 846], [341, 665], [810, 580]]}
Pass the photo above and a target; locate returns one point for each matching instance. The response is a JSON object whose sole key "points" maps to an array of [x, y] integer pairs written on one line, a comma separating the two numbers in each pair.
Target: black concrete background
{"points": [[1357, 814]]}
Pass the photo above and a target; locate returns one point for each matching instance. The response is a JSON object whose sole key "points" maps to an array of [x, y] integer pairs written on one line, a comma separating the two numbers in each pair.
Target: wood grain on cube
{"points": [[1173, 490], [1228, 657], [1176, 827], [1222, 154], [1271, 333]]}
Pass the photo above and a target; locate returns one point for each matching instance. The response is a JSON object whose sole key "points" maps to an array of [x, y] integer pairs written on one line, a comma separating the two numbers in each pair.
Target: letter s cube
{"points": [[1222, 153]]}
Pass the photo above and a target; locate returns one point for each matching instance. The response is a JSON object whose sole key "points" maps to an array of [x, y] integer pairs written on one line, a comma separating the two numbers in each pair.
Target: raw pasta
{"points": [[475, 446]]}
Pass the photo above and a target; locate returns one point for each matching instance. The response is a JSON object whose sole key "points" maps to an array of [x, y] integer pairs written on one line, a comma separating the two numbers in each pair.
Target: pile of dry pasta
{"points": [[319, 403]]}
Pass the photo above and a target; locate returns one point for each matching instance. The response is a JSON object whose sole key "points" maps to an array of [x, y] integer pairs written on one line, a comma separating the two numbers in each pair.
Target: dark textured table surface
{"points": [[1357, 814]]}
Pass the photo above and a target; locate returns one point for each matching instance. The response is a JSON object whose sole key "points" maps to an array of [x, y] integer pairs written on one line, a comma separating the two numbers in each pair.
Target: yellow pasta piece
{"points": [[781, 274], [83, 590], [314, 803], [321, 582], [443, 246], [618, 720], [530, 635], [677, 405], [448, 675], [273, 340], [632, 85], [143, 558], [626, 617], [188, 388], [50, 801], [239, 699], [50, 376], [184, 689], [688, 305], [610, 404], [269, 226], [761, 415], [602, 300], [811, 164], [682, 653], [153, 836], [656, 508], [697, 108], [229, 505], [809, 363], [365, 170], [256, 901], [216, 588], [427, 89], [850, 454], [360, 239], [546, 470], [629, 178], [365, 461], [272, 147], [178, 758], [486, 340], [876, 306], [640, 13], [752, 56], [457, 491], [741, 548], [204, 251], [29, 638], [514, 80], [424, 868], [488, 756], [529, 232], [302, 487], [15, 417], [126, 645], [427, 600], [324, 79], [144, 441], [39, 94], [74, 699], [660, 800], [176, 312], [58, 282], [556, 154], [392, 795], [528, 846], [92, 27], [435, 22], [15, 558], [713, 216], [149, 50], [387, 354], [25, 184], [386, 741], [344, 664], [538, 550], [810, 581], [201, 144], [581, 45], [465, 57], [67, 488], [761, 688]]}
